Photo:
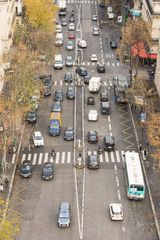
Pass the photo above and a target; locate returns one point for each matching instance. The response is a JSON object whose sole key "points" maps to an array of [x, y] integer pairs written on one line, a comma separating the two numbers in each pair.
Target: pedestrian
{"points": [[145, 153], [1, 187], [6, 182], [140, 147]]}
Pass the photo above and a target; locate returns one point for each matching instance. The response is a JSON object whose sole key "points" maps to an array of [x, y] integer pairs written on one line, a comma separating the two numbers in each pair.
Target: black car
{"points": [[109, 143], [93, 161], [71, 92], [92, 137], [82, 71], [58, 95], [47, 91], [26, 169], [90, 100], [101, 68], [48, 171], [86, 79], [68, 77], [31, 117], [69, 134], [113, 45], [47, 80]]}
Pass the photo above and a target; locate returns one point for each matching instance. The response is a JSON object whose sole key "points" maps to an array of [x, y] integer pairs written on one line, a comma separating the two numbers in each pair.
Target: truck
{"points": [[55, 124], [59, 39], [62, 8], [94, 84], [120, 86]]}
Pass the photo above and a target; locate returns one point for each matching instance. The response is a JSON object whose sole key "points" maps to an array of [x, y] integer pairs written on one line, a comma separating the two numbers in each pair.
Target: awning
{"points": [[138, 49]]}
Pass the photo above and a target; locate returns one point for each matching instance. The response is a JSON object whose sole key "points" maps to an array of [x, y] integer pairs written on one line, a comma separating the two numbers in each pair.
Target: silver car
{"points": [[64, 215]]}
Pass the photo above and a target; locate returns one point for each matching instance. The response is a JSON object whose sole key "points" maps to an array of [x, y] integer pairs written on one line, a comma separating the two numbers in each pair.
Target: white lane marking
{"points": [[110, 133], [117, 181], [107, 63], [107, 56], [88, 63], [113, 64], [123, 229], [117, 156], [29, 156], [34, 159], [82, 214], [106, 156], [115, 168], [55, 83], [51, 159], [100, 158], [57, 157], [61, 82], [13, 158], [23, 157], [89, 152], [69, 157], [109, 118], [46, 157], [105, 83], [40, 158], [110, 83], [112, 157], [118, 64], [119, 195], [122, 153], [110, 127], [63, 157]]}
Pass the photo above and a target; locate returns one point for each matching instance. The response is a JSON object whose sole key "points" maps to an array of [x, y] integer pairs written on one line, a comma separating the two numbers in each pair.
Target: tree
{"points": [[9, 223], [135, 34]]}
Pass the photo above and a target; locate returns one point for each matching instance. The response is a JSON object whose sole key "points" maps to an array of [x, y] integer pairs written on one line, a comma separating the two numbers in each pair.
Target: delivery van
{"points": [[58, 63], [59, 39], [94, 84]]}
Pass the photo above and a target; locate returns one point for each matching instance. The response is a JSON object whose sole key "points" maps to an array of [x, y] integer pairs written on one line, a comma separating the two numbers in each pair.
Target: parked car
{"points": [[71, 92], [116, 211], [68, 77], [47, 80], [93, 58], [95, 31], [93, 161], [92, 137], [69, 61], [113, 45], [101, 68], [94, 18], [64, 215], [109, 143], [92, 115], [38, 139], [58, 95], [64, 22], [90, 100], [48, 171], [31, 116], [26, 169], [47, 91], [69, 134], [71, 27], [82, 71], [71, 35], [57, 107]]}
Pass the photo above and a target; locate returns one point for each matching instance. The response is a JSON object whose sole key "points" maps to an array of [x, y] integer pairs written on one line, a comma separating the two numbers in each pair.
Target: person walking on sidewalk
{"points": [[1, 187]]}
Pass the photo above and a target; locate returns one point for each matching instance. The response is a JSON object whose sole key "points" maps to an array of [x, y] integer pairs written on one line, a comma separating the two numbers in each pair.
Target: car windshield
{"points": [[93, 159], [31, 114], [25, 167], [64, 214], [47, 170], [69, 133]]}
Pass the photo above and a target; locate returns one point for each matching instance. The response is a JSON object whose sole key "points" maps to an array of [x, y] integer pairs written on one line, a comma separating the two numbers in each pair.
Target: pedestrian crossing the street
{"points": [[63, 158]]}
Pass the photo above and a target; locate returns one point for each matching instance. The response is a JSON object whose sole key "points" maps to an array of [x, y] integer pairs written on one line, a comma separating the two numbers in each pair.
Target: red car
{"points": [[71, 35]]}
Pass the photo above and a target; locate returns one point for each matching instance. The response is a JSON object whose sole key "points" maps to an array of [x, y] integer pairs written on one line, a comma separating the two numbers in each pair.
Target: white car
{"points": [[82, 43], [109, 10], [93, 58], [94, 18], [95, 31], [38, 139], [92, 115], [116, 211], [71, 27], [111, 15]]}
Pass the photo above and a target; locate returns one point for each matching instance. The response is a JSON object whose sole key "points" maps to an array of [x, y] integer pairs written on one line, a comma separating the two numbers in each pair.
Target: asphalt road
{"points": [[89, 192]]}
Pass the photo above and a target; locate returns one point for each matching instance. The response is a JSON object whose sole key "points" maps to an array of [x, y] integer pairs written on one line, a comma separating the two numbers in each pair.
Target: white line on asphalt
{"points": [[51, 159], [119, 195], [107, 63], [45, 157], [110, 133], [34, 159], [69, 157], [61, 82], [112, 157], [117, 156], [123, 229], [57, 158], [63, 157], [13, 158], [115, 168], [29, 157], [106, 156], [109, 118], [113, 64], [101, 158], [117, 181], [40, 158], [105, 83], [23, 157], [110, 127], [83, 193], [110, 83]]}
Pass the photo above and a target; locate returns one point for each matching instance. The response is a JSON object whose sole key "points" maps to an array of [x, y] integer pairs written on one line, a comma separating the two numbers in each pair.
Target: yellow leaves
{"points": [[40, 13], [153, 130]]}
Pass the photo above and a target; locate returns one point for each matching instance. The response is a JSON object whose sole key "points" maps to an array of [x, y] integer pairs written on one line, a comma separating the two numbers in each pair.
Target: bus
{"points": [[134, 176], [62, 8]]}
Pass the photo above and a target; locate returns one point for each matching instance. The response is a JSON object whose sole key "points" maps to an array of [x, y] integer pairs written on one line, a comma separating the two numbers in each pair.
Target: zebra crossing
{"points": [[61, 83], [68, 157], [80, 2]]}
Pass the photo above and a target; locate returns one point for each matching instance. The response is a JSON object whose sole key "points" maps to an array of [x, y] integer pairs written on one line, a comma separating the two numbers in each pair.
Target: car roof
{"points": [[70, 128], [37, 133], [108, 138], [48, 164], [105, 104], [116, 207], [92, 132], [64, 205]]}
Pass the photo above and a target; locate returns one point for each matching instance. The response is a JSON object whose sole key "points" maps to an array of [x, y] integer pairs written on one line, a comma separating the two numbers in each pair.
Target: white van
{"points": [[94, 84], [58, 63], [58, 28], [59, 39]]}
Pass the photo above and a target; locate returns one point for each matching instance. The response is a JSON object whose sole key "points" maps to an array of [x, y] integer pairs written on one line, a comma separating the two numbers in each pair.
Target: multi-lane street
{"points": [[89, 191]]}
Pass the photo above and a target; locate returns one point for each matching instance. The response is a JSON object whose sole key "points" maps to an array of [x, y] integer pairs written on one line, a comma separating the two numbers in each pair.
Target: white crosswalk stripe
{"points": [[67, 157], [76, 2]]}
